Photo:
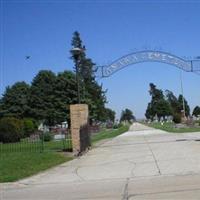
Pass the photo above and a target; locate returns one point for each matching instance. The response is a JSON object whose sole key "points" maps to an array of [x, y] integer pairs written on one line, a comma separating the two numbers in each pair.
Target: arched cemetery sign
{"points": [[149, 56]]}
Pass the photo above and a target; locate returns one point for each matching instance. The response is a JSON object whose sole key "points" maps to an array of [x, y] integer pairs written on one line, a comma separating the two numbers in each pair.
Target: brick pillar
{"points": [[78, 117]]}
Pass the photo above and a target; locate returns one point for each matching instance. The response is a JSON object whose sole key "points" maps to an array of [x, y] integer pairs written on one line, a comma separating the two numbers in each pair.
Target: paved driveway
{"points": [[143, 163]]}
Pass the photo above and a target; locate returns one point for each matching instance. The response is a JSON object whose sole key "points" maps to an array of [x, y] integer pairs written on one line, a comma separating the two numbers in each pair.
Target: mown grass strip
{"points": [[170, 127], [106, 134], [15, 166]]}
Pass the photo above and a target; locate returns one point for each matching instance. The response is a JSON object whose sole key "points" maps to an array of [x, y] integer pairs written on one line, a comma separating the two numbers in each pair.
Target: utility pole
{"points": [[76, 52], [181, 80]]}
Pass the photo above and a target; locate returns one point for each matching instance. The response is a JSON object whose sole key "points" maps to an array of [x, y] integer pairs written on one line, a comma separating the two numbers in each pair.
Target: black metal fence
{"points": [[85, 141], [25, 145], [37, 143]]}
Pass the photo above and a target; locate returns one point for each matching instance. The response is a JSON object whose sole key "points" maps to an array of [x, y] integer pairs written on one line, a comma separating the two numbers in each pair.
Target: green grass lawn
{"points": [[25, 158], [169, 127], [14, 166], [57, 145], [106, 134], [18, 165]]}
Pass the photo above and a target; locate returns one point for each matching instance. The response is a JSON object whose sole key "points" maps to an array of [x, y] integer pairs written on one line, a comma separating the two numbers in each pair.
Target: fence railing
{"points": [[37, 144], [22, 146], [85, 140]]}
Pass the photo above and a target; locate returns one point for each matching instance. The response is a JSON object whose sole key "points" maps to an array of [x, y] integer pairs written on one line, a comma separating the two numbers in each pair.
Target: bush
{"points": [[115, 126], [29, 127], [11, 130], [120, 125], [48, 136], [177, 118]]}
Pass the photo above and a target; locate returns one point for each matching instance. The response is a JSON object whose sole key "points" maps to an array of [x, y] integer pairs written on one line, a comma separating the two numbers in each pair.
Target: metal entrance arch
{"points": [[149, 56]]}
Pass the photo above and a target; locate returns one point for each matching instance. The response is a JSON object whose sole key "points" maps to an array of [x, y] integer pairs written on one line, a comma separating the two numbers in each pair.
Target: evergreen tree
{"points": [[81, 57], [15, 101], [42, 99], [187, 107], [158, 105], [108, 115], [196, 111], [155, 93], [173, 101], [150, 113], [127, 115], [177, 103], [65, 94], [91, 92], [163, 109]]}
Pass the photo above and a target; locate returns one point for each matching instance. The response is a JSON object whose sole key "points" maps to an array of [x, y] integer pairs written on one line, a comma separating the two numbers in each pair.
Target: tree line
{"points": [[167, 104], [49, 95]]}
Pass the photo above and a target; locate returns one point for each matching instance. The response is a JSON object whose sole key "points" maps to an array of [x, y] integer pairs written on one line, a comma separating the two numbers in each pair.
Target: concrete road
{"points": [[143, 163]]}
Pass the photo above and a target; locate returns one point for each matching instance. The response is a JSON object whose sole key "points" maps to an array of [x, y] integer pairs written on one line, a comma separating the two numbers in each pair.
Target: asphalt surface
{"points": [[142, 163]]}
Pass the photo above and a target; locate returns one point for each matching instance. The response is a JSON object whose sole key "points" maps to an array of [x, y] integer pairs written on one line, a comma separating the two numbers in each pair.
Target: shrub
{"points": [[120, 125], [28, 126], [11, 130], [47, 136], [177, 118], [115, 126]]}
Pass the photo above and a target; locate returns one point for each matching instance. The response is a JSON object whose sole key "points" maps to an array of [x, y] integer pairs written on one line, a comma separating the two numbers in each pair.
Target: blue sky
{"points": [[109, 29]]}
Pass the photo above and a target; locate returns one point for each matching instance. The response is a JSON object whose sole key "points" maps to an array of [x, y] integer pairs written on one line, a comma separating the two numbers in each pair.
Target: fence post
{"points": [[64, 142], [42, 143]]}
